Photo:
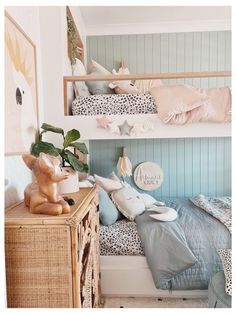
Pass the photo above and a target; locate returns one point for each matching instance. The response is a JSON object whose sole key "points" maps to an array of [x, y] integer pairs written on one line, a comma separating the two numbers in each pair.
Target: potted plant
{"points": [[67, 156]]}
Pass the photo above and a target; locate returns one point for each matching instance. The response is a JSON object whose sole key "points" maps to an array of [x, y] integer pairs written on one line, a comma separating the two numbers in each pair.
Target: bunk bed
{"points": [[126, 271], [147, 116]]}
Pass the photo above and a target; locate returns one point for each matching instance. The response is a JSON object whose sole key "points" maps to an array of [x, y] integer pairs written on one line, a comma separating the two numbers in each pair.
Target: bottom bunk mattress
{"points": [[204, 235], [121, 238]]}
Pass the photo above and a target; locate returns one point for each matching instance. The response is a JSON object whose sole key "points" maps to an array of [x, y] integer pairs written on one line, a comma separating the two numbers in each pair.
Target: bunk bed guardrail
{"points": [[163, 76]]}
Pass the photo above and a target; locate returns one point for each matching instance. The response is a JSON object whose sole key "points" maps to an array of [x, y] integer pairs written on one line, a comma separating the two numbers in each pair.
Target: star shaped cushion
{"points": [[103, 122], [125, 128]]}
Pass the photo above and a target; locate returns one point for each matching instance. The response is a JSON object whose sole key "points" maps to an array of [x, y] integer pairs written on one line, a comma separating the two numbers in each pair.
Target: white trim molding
{"points": [[158, 27]]}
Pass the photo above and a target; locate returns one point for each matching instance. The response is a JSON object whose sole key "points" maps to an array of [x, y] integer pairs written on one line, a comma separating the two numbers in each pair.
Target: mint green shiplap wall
{"points": [[174, 52], [191, 166]]}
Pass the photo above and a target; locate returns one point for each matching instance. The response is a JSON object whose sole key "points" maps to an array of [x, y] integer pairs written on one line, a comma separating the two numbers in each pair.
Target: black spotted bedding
{"points": [[114, 104], [121, 238]]}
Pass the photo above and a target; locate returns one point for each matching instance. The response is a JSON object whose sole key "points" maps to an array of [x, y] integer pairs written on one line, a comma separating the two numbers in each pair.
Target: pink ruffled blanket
{"points": [[181, 104]]}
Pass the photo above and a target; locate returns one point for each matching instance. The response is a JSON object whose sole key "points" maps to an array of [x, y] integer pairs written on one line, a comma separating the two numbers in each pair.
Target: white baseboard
{"points": [[130, 276]]}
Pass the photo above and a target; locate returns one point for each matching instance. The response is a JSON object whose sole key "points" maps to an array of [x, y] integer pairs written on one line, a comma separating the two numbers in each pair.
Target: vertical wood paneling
{"points": [[172, 55], [191, 166], [228, 55], [109, 56], [132, 47], [125, 49], [148, 50], [205, 57], [140, 61], [220, 167], [196, 57], [180, 168], [212, 167], [156, 54], [204, 165], [227, 166], [221, 56], [175, 52], [172, 167], [213, 56], [196, 158], [188, 46], [188, 165], [165, 166], [180, 55], [116, 51], [101, 50]]}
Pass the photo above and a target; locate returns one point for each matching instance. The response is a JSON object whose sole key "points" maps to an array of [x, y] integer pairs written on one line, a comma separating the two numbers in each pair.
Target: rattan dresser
{"points": [[53, 261]]}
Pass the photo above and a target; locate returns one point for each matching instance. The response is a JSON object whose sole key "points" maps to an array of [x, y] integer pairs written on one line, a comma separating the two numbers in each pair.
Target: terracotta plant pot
{"points": [[70, 185]]}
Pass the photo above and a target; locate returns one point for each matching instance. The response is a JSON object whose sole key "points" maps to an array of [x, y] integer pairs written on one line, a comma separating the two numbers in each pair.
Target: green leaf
{"points": [[48, 127], [44, 147], [74, 161], [71, 136], [80, 146]]}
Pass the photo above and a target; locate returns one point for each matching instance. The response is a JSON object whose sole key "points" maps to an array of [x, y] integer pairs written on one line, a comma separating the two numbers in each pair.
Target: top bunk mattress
{"points": [[114, 104]]}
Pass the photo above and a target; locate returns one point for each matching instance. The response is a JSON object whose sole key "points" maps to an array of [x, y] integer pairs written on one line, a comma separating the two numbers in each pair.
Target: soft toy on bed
{"points": [[123, 87]]}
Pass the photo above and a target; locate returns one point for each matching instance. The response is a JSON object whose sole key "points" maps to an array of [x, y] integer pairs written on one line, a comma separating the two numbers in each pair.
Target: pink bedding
{"points": [[181, 104]]}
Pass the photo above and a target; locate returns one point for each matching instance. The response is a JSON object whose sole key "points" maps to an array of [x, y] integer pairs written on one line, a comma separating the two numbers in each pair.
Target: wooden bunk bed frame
{"points": [[163, 76], [161, 130]]}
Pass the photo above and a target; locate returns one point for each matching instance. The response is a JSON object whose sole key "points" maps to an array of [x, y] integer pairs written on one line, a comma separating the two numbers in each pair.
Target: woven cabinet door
{"points": [[38, 266]]}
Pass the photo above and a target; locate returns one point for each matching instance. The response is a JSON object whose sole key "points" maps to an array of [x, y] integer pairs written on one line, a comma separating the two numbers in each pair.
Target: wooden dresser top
{"points": [[19, 214]]}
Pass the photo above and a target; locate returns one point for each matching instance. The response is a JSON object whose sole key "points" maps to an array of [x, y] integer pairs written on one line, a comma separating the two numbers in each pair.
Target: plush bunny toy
{"points": [[43, 197], [123, 87]]}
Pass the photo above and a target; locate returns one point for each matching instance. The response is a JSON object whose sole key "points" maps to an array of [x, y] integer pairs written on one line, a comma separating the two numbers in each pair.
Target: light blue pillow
{"points": [[108, 213], [99, 87]]}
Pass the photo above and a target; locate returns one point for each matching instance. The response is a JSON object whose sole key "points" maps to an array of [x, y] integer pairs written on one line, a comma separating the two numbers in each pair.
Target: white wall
{"points": [[47, 28], [56, 64], [17, 175]]}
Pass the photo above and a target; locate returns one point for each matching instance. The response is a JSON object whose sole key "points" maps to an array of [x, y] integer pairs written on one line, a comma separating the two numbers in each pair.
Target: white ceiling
{"points": [[103, 20], [119, 15]]}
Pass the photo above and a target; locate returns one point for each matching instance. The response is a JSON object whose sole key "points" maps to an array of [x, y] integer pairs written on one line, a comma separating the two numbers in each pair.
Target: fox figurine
{"points": [[42, 197]]}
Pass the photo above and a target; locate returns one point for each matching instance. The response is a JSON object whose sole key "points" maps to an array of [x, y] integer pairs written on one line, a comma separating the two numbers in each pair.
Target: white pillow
{"points": [[107, 184], [226, 258], [164, 213], [80, 88], [148, 199], [114, 177], [129, 202]]}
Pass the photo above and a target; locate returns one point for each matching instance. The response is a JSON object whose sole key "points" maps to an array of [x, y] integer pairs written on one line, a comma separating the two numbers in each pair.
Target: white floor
{"points": [[155, 303]]}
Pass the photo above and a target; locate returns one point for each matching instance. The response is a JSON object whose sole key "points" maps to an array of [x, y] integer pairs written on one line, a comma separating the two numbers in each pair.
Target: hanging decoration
{"points": [[148, 176]]}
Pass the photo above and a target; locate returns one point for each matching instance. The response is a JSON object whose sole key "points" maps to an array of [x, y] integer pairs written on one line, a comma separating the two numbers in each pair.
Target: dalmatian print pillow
{"points": [[114, 104], [226, 258], [121, 238]]}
